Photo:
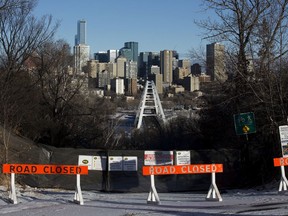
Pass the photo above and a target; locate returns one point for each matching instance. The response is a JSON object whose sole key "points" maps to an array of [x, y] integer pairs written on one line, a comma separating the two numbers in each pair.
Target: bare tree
{"points": [[254, 32], [20, 35], [58, 88]]}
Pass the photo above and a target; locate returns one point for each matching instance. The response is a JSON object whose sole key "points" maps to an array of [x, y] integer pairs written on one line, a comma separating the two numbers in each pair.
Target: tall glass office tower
{"points": [[81, 49], [81, 33], [134, 48]]}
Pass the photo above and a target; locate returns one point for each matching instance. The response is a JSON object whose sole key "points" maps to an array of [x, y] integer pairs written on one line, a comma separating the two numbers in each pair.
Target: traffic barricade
{"points": [[282, 162], [213, 193], [42, 169]]}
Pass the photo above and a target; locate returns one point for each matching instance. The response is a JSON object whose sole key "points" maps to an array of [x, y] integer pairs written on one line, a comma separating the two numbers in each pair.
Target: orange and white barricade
{"points": [[213, 193]]}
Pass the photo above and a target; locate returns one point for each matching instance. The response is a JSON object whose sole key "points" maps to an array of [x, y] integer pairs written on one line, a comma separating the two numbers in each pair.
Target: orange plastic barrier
{"points": [[281, 161], [182, 169], [44, 169]]}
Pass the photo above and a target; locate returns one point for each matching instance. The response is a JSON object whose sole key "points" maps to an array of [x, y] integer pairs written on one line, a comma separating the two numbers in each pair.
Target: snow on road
{"points": [[51, 202]]}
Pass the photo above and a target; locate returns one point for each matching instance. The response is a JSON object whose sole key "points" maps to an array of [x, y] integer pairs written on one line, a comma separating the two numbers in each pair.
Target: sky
{"points": [[155, 24]]}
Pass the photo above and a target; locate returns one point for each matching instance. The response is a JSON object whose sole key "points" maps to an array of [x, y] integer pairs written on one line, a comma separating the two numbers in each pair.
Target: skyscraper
{"points": [[166, 65], [81, 49], [134, 49], [81, 56], [215, 58], [143, 65], [80, 38]]}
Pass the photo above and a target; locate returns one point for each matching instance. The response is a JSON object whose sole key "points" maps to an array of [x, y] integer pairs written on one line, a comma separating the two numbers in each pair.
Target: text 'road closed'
{"points": [[281, 161], [182, 169], [44, 169]]}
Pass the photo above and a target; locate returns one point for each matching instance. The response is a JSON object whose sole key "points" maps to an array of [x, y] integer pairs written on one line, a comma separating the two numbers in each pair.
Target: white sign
{"points": [[85, 160], [152, 158], [283, 131], [99, 163], [115, 163], [93, 162], [130, 163], [183, 157]]}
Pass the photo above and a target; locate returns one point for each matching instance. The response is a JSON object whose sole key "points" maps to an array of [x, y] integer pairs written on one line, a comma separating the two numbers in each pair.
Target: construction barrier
{"points": [[153, 197], [42, 169], [282, 162]]}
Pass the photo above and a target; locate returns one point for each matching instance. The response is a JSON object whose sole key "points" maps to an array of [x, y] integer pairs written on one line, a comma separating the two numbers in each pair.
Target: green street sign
{"points": [[244, 123]]}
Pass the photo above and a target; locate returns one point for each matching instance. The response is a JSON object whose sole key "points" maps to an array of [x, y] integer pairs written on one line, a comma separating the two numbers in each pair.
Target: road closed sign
{"points": [[281, 161], [44, 169], [182, 169]]}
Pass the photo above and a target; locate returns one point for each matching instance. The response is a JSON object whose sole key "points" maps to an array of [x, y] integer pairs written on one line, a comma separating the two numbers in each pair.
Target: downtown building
{"points": [[215, 62], [166, 66], [81, 50]]}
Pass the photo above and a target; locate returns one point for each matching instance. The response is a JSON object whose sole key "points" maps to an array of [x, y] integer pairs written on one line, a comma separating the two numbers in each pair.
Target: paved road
{"points": [[51, 203]]}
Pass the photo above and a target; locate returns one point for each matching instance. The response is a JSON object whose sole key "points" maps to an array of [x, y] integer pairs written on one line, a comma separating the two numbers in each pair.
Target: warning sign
{"points": [[158, 158], [183, 157], [93, 162], [182, 169], [44, 169], [130, 163], [115, 163], [283, 132]]}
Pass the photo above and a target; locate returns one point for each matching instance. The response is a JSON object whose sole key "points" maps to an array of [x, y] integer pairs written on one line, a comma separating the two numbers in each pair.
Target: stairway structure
{"points": [[150, 105]]}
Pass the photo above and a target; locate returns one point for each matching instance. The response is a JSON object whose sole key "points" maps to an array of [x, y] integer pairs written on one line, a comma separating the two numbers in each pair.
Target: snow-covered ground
{"points": [[51, 202]]}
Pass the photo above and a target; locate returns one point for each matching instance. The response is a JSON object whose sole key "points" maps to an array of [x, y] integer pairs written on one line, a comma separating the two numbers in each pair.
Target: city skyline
{"points": [[155, 25]]}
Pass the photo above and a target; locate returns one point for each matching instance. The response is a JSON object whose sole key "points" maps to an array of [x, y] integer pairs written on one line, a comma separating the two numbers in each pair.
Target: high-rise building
{"points": [[103, 79], [153, 60], [80, 38], [158, 81], [215, 58], [191, 83], [120, 66], [166, 66], [131, 70], [196, 69], [143, 64], [185, 63], [126, 53], [117, 85], [112, 55], [81, 49], [130, 86], [134, 49], [81, 56], [101, 56]]}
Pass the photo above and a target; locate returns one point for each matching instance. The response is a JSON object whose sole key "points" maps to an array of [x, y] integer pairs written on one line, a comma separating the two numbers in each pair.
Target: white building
{"points": [[81, 57], [117, 85], [112, 55]]}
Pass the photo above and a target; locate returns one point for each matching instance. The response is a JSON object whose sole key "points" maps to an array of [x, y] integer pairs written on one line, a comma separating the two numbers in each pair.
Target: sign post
{"points": [[153, 197], [244, 123]]}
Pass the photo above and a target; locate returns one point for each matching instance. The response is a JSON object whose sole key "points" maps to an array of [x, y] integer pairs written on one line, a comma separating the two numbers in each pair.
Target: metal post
{"points": [[283, 180], [213, 190], [78, 198], [153, 197], [12, 192]]}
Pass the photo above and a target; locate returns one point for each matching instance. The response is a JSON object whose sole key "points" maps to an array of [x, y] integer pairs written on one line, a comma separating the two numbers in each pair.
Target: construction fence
{"points": [[130, 181]]}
